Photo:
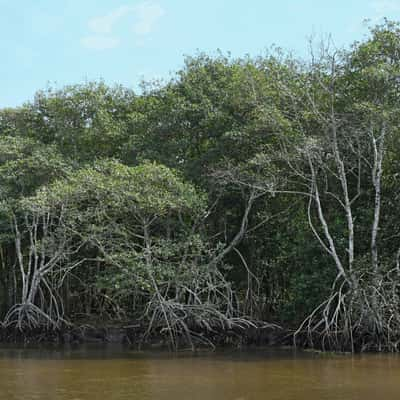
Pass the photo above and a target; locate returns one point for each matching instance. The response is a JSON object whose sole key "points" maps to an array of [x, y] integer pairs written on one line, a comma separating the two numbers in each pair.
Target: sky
{"points": [[59, 42]]}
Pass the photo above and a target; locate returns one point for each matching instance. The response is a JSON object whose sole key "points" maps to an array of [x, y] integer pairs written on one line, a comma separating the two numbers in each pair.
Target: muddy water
{"points": [[109, 373]]}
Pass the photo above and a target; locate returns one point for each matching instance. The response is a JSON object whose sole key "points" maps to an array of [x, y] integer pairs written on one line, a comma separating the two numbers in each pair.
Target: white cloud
{"points": [[144, 16], [105, 23], [148, 15], [98, 42]]}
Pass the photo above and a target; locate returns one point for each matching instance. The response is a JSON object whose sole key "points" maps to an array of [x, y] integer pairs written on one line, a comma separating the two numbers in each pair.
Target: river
{"points": [[111, 373]]}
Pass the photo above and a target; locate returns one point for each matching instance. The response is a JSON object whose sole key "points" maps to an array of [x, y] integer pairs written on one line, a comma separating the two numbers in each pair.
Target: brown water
{"points": [[114, 374]]}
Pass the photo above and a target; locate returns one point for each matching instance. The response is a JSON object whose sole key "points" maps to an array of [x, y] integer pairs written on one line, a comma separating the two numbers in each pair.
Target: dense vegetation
{"points": [[241, 191]]}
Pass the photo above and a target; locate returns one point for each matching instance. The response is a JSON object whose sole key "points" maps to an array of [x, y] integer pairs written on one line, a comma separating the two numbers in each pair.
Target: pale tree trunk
{"points": [[378, 149], [331, 247]]}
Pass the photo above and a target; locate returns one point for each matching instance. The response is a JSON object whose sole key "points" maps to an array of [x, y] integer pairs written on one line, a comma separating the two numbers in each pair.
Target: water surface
{"points": [[116, 373]]}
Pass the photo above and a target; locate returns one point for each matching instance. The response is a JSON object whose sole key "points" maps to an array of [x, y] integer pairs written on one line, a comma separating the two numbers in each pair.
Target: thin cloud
{"points": [[105, 23], [145, 17], [148, 14], [383, 8], [97, 42]]}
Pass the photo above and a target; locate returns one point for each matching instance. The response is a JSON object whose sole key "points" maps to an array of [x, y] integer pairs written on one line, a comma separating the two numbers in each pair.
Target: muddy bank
{"points": [[134, 334]]}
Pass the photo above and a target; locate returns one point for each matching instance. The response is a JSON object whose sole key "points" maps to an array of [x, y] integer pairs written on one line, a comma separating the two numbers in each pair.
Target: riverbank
{"points": [[134, 334]]}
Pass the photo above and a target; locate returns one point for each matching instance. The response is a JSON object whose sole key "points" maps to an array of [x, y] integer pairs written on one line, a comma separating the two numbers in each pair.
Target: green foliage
{"points": [[26, 165], [84, 121], [145, 191]]}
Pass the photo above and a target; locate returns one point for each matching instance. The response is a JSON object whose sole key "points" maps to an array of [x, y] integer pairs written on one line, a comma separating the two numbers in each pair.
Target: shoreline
{"points": [[135, 335]]}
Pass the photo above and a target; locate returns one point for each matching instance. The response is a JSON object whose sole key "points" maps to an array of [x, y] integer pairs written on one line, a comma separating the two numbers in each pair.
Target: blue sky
{"points": [[72, 41]]}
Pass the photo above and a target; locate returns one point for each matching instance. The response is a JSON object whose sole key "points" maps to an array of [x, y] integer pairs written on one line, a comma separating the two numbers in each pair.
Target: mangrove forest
{"points": [[243, 200]]}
